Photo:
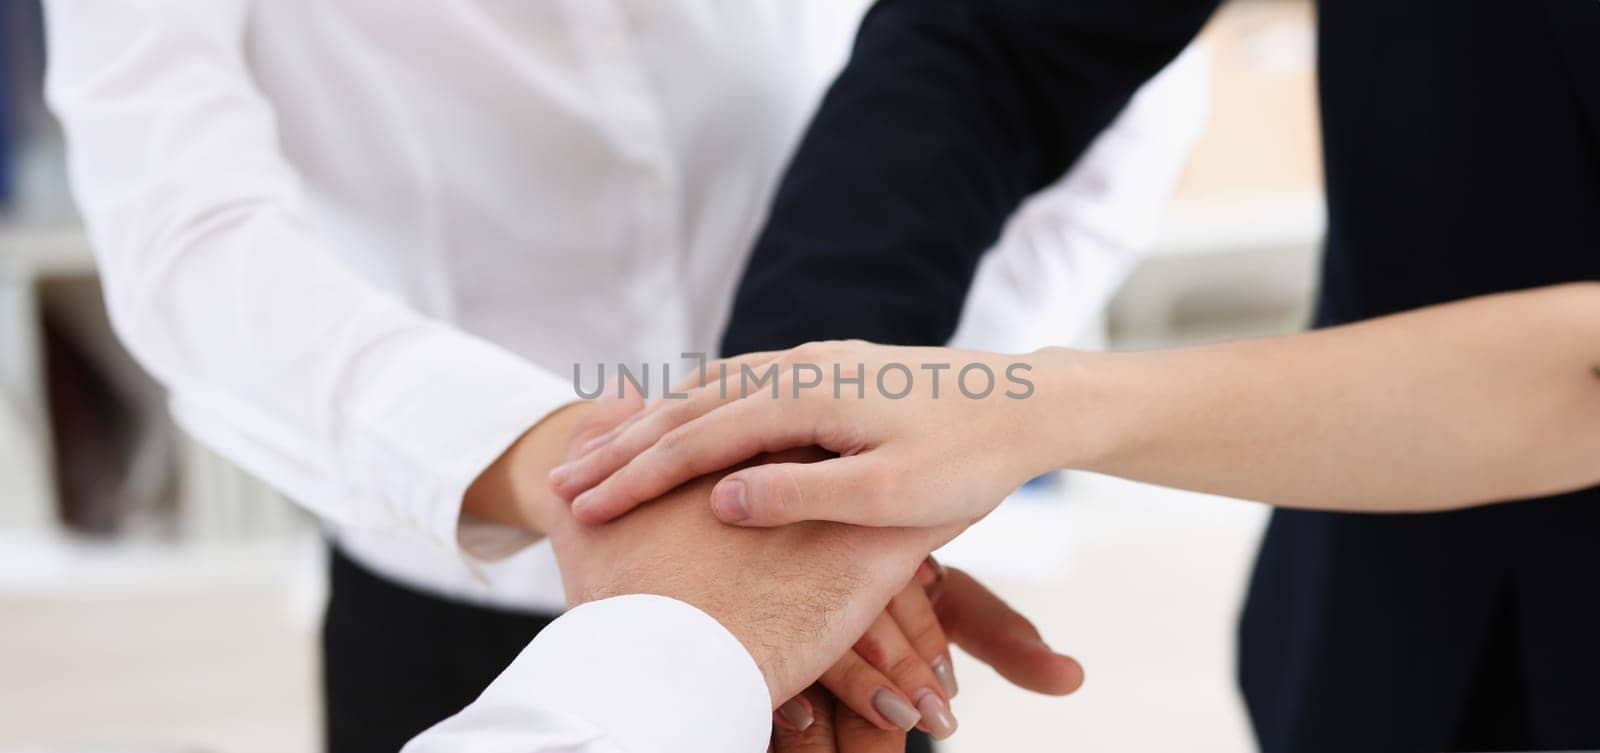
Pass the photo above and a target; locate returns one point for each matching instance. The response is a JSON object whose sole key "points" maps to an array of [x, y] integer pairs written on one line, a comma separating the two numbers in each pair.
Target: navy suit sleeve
{"points": [[948, 115]]}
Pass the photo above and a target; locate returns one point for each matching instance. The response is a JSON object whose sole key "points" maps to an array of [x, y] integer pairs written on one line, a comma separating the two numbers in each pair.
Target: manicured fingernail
{"points": [[560, 473], [897, 710], [946, 676], [728, 501], [797, 713], [936, 715], [582, 501]]}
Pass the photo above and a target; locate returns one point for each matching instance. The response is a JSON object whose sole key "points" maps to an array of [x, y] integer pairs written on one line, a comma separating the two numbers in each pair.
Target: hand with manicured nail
{"points": [[832, 727]]}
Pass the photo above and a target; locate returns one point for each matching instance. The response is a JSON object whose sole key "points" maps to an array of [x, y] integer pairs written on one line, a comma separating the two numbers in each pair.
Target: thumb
{"points": [[845, 490]]}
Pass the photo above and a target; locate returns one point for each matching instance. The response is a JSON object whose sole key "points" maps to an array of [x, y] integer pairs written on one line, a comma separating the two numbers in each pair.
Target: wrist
{"points": [[515, 490], [1073, 416]]}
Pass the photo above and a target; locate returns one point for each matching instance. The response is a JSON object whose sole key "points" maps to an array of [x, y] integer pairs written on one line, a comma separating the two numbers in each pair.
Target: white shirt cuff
{"points": [[642, 673], [449, 405]]}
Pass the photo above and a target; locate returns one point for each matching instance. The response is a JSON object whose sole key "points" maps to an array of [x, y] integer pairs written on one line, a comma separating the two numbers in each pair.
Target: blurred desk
{"points": [[1224, 268]]}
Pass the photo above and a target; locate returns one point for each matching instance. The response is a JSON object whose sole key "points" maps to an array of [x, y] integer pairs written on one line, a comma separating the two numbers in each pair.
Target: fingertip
{"points": [[558, 477], [796, 713], [1058, 675], [589, 510], [1061, 674], [1072, 675]]}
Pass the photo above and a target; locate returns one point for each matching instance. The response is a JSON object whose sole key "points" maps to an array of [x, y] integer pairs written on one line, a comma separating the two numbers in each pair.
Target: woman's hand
{"points": [[898, 674], [832, 727], [901, 669], [926, 436]]}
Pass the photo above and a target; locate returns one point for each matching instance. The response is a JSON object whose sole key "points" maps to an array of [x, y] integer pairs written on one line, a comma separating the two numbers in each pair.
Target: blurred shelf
{"points": [[1223, 269], [30, 251], [58, 565], [1289, 221]]}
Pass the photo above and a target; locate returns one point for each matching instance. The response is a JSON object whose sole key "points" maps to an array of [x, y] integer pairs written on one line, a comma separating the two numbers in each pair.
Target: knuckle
{"points": [[873, 650], [673, 442], [907, 669], [800, 352], [821, 412], [610, 456], [811, 352], [624, 480], [791, 490], [639, 479], [861, 678], [672, 413], [832, 428], [655, 473], [777, 495], [925, 633]]}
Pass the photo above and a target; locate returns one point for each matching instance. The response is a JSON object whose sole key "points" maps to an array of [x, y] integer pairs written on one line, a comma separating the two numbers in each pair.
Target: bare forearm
{"points": [[1488, 399]]}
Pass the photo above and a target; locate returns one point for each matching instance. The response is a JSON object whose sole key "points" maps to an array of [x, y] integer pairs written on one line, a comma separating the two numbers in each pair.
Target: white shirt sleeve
{"points": [[1068, 249], [630, 674], [277, 355]]}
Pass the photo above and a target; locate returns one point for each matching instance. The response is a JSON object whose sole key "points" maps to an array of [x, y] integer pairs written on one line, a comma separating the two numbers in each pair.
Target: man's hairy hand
{"points": [[797, 596]]}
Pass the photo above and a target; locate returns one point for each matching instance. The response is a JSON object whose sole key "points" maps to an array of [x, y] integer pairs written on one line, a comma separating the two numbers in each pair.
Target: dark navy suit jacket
{"points": [[1462, 151]]}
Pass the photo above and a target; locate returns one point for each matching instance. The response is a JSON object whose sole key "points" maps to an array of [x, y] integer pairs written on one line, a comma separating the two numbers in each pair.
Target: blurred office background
{"points": [[152, 597]]}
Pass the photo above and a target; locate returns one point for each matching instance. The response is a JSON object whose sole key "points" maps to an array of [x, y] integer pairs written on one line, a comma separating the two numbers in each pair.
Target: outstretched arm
{"points": [[1488, 399], [1485, 400]]}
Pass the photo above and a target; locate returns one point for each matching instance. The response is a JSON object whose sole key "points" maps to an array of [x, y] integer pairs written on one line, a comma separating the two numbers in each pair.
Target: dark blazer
{"points": [[1462, 150]]}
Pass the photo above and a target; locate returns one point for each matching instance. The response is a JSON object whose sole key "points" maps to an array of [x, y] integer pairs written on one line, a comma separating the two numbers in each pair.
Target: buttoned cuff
{"points": [[446, 407], [649, 673]]}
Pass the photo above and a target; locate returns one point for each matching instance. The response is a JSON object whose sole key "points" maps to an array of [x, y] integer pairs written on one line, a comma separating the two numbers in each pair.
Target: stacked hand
{"points": [[917, 454], [806, 595]]}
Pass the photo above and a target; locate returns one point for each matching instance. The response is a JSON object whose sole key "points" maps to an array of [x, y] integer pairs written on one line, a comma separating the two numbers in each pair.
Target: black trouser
{"points": [[396, 661]]}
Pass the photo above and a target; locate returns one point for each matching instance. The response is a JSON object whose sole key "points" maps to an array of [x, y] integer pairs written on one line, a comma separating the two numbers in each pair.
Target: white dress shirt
{"points": [[365, 242], [630, 674]]}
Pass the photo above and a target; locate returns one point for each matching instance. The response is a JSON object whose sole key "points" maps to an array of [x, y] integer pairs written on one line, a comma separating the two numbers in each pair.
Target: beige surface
{"points": [[209, 670]]}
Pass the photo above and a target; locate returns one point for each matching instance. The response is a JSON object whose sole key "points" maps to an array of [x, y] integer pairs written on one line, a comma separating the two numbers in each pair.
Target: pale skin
{"points": [[831, 604], [1450, 406]]}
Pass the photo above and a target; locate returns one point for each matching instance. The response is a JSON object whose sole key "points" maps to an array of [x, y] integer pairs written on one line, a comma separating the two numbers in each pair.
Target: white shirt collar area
{"points": [[630, 674]]}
